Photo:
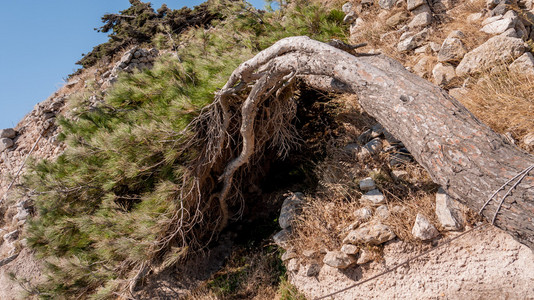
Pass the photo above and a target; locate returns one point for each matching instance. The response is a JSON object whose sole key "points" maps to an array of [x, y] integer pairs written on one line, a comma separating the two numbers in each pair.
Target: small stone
{"points": [[22, 214], [338, 259], [350, 249], [422, 9], [5, 143], [374, 197], [365, 257], [312, 269], [350, 17], [352, 148], [367, 184], [510, 33], [423, 229], [399, 175], [443, 74], [524, 64], [281, 239], [386, 4], [492, 3], [401, 157], [421, 20], [445, 211], [11, 236], [397, 19], [499, 26], [452, 50], [8, 133], [289, 254], [347, 7], [413, 4], [372, 233], [308, 253], [290, 209], [529, 139], [376, 130], [500, 9], [435, 47], [410, 40], [382, 212], [491, 20], [473, 18], [362, 215], [371, 148], [421, 68], [293, 265]]}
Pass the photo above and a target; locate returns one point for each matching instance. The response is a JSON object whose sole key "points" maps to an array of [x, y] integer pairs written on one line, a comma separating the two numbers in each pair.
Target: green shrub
{"points": [[105, 203]]}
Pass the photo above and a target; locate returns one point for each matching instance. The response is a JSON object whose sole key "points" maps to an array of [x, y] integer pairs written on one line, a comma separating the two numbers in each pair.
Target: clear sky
{"points": [[43, 39]]}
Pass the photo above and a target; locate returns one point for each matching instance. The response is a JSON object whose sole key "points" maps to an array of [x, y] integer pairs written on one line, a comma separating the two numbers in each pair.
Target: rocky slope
{"points": [[455, 44]]}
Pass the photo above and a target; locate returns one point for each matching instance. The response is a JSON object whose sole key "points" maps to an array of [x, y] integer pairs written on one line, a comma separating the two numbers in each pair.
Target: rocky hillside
{"points": [[111, 187]]}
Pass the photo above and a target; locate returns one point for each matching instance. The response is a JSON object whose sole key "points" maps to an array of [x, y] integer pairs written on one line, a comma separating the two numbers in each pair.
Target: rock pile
{"points": [[509, 22]]}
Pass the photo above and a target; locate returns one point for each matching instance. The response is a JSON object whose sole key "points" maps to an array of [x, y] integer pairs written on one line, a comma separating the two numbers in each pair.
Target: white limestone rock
{"points": [[443, 74], [367, 184], [372, 233], [496, 50], [373, 197], [524, 64], [290, 209], [338, 259], [423, 229], [445, 211], [350, 249]]}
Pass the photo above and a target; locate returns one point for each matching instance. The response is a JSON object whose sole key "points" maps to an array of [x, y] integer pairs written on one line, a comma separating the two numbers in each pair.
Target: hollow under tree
{"points": [[463, 155]]}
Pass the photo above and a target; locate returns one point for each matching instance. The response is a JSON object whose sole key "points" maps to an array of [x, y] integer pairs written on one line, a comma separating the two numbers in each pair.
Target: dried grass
{"points": [[505, 101]]}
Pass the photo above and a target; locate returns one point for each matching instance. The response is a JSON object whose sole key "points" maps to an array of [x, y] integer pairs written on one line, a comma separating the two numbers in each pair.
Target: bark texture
{"points": [[463, 155]]}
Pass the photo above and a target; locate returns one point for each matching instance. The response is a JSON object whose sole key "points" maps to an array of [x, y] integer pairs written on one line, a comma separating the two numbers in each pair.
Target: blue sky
{"points": [[42, 41]]}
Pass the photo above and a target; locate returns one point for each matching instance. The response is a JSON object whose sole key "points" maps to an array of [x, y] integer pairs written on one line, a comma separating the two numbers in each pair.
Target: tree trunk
{"points": [[463, 155]]}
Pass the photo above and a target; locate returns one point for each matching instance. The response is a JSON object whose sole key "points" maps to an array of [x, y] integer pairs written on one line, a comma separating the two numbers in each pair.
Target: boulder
{"points": [[373, 197], [290, 209], [338, 259], [445, 211], [423, 229], [8, 133], [372, 233], [495, 51], [524, 64], [452, 50], [443, 74], [367, 184]]}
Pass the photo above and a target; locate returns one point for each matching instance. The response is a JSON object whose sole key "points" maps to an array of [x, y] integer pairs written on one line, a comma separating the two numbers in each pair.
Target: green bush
{"points": [[105, 203]]}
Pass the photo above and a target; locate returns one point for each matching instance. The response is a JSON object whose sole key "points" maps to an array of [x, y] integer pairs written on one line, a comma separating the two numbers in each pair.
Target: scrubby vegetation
{"points": [[116, 203]]}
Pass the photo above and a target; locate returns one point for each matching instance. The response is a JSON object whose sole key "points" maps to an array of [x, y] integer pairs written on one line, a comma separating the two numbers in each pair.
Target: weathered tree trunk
{"points": [[461, 154]]}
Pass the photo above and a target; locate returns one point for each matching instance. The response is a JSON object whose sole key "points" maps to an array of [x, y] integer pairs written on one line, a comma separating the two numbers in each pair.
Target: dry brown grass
{"points": [[504, 101], [328, 213]]}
